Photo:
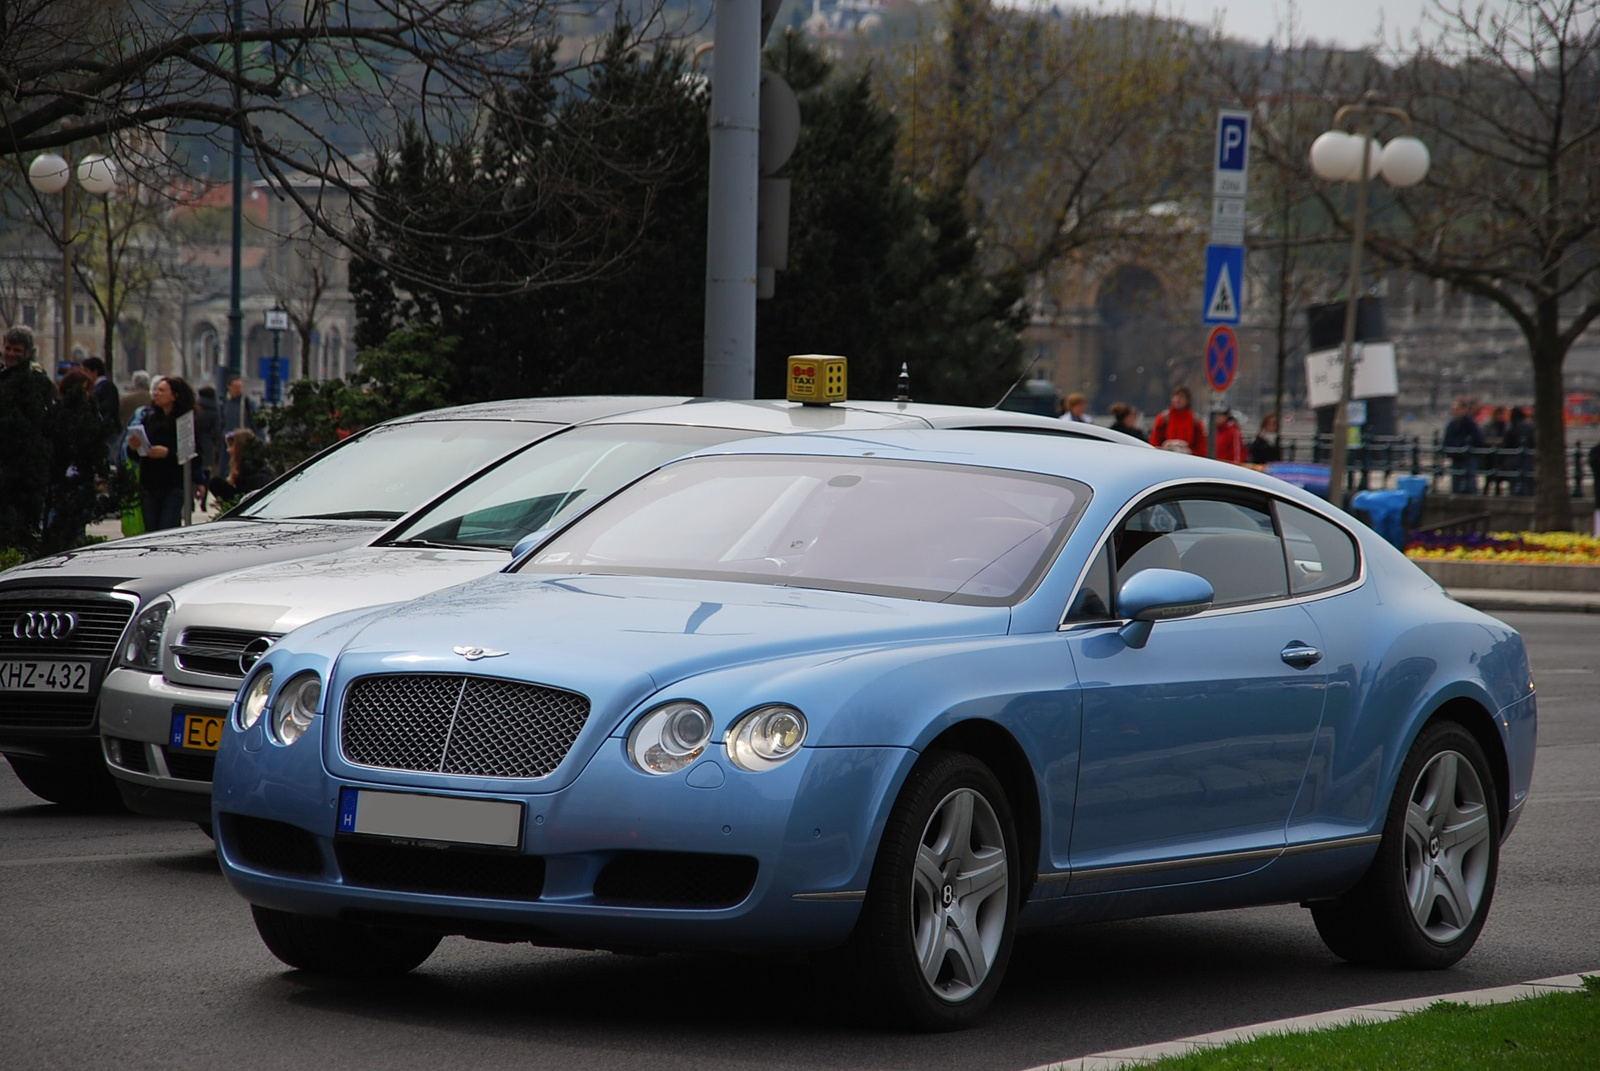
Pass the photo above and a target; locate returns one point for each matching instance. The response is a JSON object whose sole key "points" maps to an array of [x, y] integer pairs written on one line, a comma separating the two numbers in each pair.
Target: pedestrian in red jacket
{"points": [[1230, 440], [1177, 428]]}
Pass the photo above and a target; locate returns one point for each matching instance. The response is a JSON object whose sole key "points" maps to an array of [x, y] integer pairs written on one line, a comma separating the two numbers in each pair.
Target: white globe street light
{"points": [[1339, 156], [49, 173]]}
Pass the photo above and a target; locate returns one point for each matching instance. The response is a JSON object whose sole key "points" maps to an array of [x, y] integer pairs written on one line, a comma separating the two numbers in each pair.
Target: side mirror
{"points": [[528, 542], [1160, 595]]}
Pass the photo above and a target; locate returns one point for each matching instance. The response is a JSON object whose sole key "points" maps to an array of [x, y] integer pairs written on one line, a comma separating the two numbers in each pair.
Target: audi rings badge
{"points": [[55, 625]]}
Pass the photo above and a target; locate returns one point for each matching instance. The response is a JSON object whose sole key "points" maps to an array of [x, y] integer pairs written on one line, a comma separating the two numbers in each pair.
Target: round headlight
{"points": [[142, 648], [766, 738], [670, 737], [254, 700], [296, 706]]}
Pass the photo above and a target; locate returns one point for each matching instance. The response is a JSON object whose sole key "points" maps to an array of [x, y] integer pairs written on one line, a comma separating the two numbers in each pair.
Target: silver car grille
{"points": [[221, 652], [459, 724]]}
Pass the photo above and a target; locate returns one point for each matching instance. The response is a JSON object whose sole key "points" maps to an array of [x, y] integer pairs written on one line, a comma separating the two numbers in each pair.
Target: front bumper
{"points": [[163, 767], [711, 857]]}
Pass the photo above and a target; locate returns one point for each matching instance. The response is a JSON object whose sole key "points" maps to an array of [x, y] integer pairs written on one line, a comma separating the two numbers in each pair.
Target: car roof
{"points": [[1103, 465], [775, 416], [574, 409]]}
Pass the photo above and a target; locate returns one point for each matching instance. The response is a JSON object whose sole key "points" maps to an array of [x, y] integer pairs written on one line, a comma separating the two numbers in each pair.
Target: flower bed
{"points": [[1545, 548]]}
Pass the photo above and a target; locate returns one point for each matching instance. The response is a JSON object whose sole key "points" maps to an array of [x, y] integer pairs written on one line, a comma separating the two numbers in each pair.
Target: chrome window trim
{"points": [[1360, 577]]}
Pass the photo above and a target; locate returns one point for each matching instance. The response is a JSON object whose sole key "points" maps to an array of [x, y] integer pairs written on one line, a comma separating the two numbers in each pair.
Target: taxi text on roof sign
{"points": [[816, 379]]}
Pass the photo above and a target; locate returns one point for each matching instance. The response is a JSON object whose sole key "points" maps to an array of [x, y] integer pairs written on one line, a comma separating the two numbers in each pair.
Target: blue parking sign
{"points": [[1231, 175]]}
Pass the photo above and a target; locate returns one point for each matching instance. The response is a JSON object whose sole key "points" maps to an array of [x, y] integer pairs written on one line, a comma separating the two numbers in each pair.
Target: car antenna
{"points": [[1018, 382], [902, 391]]}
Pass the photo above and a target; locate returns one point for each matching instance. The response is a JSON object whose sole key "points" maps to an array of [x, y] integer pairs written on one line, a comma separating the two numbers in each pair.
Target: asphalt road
{"points": [[121, 946]]}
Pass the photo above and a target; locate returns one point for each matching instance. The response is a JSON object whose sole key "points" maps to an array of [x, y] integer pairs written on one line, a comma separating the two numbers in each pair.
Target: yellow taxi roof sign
{"points": [[816, 378]]}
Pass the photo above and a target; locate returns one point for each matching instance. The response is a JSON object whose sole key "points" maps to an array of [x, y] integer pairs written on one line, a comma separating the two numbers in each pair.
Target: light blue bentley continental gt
{"points": [[887, 698]]}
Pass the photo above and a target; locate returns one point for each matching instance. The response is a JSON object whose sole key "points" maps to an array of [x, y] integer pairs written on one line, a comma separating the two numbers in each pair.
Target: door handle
{"points": [[1301, 656]]}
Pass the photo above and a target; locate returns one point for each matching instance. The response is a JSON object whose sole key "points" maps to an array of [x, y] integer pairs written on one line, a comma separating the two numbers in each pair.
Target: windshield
{"points": [[942, 532], [388, 471], [551, 480]]}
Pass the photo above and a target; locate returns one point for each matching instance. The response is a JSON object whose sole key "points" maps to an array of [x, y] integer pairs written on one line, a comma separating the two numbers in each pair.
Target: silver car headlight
{"points": [[296, 705], [141, 647], [670, 737], [766, 738], [254, 699]]}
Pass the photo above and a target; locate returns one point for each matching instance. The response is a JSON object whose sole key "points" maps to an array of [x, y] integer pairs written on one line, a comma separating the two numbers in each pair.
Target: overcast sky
{"points": [[1350, 23]]}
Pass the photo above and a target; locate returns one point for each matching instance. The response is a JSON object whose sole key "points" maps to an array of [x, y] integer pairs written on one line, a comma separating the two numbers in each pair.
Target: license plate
{"points": [[449, 819], [44, 676], [197, 732]]}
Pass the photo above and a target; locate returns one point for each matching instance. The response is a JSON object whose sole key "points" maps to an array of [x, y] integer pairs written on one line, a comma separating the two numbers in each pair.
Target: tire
{"points": [[77, 786], [936, 930], [1425, 898], [328, 946]]}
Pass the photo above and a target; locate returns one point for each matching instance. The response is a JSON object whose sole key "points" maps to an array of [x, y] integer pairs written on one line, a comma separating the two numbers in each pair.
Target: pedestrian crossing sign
{"points": [[1224, 284]]}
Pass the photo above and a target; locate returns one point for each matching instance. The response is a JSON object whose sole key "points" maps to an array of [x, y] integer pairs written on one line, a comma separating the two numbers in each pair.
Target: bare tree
{"points": [[316, 88], [1507, 99], [1065, 129]]}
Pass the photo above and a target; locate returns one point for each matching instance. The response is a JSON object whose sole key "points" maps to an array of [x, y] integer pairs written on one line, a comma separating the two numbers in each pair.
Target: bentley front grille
{"points": [[459, 724]]}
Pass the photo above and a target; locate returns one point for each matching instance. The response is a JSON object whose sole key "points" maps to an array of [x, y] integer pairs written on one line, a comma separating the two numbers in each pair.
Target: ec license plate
{"points": [[450, 819], [44, 676], [197, 732]]}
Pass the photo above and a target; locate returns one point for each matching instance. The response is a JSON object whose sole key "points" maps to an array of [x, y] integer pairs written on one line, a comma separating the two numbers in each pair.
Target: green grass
{"points": [[1555, 1032]]}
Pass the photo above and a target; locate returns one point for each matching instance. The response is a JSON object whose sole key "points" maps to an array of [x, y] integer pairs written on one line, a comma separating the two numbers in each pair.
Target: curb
{"points": [[1499, 601], [1365, 1013]]}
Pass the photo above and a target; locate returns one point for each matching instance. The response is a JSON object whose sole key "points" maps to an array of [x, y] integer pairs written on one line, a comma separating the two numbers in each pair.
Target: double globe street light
{"points": [[50, 173], [1339, 156]]}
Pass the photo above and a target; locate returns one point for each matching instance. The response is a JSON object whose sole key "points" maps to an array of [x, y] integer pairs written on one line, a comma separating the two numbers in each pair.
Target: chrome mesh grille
{"points": [[458, 724]]}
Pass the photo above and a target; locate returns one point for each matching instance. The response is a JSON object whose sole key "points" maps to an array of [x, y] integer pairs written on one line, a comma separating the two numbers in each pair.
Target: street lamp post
{"points": [[1337, 156], [277, 323], [50, 173]]}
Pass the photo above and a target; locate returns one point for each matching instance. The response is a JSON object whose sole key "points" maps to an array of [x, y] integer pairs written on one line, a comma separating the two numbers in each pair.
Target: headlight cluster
{"points": [[674, 734], [141, 649], [292, 710], [766, 738]]}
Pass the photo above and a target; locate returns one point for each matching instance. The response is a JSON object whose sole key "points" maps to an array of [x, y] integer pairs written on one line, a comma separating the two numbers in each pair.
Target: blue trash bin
{"points": [[1304, 474], [1415, 489], [1385, 512]]}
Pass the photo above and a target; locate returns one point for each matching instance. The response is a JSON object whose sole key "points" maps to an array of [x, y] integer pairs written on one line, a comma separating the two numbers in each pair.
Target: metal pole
{"points": [[66, 267], [730, 324], [1341, 413], [235, 311]]}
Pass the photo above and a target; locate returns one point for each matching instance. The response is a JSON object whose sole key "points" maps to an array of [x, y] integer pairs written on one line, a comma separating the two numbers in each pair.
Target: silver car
{"points": [[63, 618], [164, 701]]}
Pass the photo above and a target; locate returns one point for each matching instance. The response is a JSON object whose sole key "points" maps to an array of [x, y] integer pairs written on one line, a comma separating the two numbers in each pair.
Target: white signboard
{"points": [[185, 431], [1375, 374]]}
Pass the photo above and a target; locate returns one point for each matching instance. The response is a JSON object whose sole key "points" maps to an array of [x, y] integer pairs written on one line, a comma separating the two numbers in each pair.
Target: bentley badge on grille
{"points": [[472, 654]]}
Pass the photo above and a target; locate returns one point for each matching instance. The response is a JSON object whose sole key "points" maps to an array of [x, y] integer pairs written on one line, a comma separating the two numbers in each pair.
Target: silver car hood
{"points": [[271, 600]]}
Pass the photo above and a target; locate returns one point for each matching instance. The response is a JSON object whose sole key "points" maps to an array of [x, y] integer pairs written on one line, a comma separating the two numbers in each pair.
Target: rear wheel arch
{"points": [[1475, 719], [997, 749]]}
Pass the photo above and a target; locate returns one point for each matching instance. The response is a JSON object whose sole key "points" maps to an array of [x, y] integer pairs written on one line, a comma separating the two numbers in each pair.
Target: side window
{"points": [[1321, 554], [1094, 596], [1231, 543]]}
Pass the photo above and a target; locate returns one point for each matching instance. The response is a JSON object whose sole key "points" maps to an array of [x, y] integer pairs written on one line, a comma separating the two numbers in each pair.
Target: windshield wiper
{"points": [[353, 515], [428, 543]]}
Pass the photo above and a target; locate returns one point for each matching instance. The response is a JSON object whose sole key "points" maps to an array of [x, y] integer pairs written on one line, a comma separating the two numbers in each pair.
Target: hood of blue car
{"points": [[617, 640]]}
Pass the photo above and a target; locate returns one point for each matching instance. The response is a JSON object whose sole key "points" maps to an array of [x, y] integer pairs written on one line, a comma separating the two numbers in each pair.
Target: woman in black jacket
{"points": [[160, 474]]}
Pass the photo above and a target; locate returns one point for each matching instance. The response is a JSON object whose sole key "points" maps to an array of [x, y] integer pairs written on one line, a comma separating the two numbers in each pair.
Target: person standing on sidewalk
{"points": [[1462, 438], [1177, 428], [155, 443]]}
